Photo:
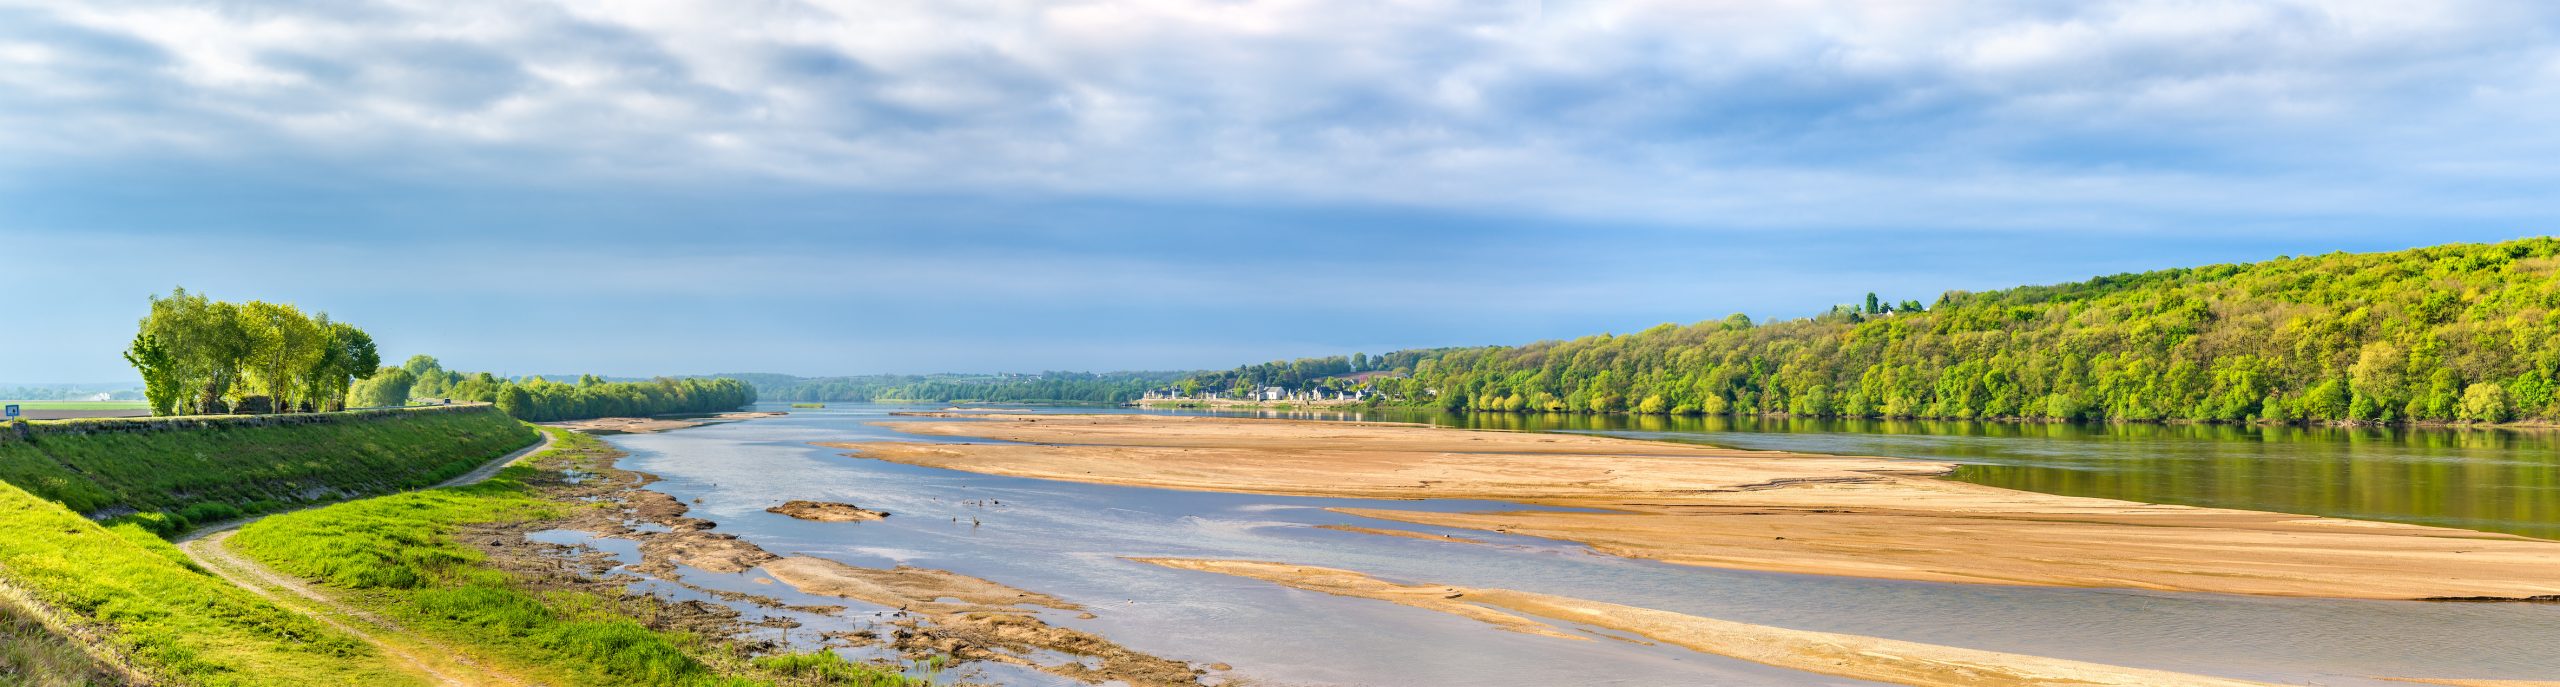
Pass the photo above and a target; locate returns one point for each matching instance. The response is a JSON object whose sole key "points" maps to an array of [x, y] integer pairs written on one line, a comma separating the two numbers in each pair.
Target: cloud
{"points": [[1700, 113]]}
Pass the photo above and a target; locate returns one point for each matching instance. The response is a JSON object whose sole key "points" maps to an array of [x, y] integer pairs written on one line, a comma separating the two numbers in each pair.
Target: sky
{"points": [[639, 187]]}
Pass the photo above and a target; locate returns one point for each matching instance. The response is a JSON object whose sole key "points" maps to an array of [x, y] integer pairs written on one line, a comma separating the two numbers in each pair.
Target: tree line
{"points": [[199, 356], [536, 399], [202, 356], [1069, 387], [2453, 333]]}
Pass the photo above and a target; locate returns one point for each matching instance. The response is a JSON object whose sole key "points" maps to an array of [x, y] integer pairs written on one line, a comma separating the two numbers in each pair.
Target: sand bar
{"points": [[1852, 656], [1755, 510]]}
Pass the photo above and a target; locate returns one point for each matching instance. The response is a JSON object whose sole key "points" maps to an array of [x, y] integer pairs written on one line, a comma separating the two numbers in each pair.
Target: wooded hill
{"points": [[2461, 332]]}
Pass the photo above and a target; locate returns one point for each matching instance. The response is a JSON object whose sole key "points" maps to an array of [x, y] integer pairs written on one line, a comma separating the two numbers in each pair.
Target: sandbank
{"points": [[1754, 510]]}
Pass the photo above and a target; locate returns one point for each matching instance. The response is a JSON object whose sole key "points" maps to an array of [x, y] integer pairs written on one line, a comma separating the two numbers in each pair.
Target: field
{"points": [[79, 405]]}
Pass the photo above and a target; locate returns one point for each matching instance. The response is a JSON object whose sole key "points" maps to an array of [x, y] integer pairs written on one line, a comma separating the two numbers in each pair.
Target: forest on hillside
{"points": [[1054, 387], [2462, 332]]}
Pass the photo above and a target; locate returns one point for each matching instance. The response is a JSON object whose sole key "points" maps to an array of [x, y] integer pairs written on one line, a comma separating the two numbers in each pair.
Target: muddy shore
{"points": [[938, 613], [1755, 510]]}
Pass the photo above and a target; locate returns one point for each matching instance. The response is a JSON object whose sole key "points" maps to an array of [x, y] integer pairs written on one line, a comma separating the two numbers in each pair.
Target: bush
{"points": [[2486, 402]]}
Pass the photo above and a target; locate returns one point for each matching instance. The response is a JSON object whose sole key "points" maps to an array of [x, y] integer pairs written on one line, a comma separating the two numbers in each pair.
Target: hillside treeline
{"points": [[202, 356], [541, 400], [2460, 332], [1329, 372], [1073, 387]]}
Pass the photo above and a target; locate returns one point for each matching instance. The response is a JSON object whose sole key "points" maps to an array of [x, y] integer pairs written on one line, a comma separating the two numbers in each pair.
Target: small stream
{"points": [[1069, 540]]}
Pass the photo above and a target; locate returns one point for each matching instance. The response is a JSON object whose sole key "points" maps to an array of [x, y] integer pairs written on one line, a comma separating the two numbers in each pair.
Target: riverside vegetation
{"points": [[137, 599], [536, 399], [398, 555], [2451, 333]]}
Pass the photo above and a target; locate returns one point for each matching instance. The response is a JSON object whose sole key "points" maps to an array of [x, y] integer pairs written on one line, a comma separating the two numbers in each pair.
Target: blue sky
{"points": [[836, 187]]}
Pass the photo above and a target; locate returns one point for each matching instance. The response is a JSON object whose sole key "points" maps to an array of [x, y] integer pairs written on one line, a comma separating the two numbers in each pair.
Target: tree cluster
{"points": [[202, 356], [2450, 333], [536, 399]]}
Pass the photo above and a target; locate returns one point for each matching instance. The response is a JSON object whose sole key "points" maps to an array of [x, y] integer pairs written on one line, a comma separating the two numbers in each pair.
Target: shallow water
{"points": [[1069, 539]]}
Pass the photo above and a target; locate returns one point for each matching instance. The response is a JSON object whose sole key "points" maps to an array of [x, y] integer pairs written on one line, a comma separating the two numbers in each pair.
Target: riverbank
{"points": [[1753, 510]]}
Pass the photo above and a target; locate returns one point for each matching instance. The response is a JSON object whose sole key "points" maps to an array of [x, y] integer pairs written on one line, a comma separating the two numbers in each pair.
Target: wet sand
{"points": [[1755, 510], [1851, 656]]}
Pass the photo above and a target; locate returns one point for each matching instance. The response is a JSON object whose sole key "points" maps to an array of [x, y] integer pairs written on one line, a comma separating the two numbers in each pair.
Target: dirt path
{"points": [[434, 662]]}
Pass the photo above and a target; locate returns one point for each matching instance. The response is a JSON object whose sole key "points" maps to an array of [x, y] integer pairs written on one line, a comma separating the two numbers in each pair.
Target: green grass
{"points": [[170, 480], [808, 405], [175, 621], [397, 555], [33, 654]]}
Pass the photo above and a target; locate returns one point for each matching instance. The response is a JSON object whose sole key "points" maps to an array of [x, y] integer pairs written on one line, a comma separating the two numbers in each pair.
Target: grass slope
{"points": [[396, 555], [176, 622], [172, 479]]}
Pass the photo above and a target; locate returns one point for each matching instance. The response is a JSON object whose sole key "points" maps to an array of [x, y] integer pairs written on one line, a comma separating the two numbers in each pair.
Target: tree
{"points": [[387, 387], [1873, 308], [161, 380], [516, 401]]}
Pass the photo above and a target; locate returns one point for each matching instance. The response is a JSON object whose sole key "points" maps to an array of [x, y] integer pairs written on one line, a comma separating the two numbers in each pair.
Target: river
{"points": [[1070, 540]]}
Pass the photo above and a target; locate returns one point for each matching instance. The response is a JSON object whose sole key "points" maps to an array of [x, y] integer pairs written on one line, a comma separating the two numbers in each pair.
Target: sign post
{"points": [[11, 412]]}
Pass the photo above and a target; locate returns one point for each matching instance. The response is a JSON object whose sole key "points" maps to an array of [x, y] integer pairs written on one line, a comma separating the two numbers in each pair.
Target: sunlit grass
{"points": [[172, 619], [397, 555]]}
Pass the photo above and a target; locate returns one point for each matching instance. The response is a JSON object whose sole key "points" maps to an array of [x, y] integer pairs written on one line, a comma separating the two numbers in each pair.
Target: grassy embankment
{"points": [[138, 597], [175, 621], [169, 474], [398, 556]]}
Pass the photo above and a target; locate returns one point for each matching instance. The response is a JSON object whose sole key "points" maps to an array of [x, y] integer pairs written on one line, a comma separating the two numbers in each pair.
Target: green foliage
{"points": [[176, 622], [2446, 333], [201, 356], [1062, 387], [174, 478], [400, 552], [540, 400]]}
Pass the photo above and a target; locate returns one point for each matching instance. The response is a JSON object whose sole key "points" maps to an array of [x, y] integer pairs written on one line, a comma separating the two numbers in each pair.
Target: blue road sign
{"points": [[12, 411]]}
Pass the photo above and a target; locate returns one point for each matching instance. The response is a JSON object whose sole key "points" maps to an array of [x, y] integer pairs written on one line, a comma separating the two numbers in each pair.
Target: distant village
{"points": [[1336, 390]]}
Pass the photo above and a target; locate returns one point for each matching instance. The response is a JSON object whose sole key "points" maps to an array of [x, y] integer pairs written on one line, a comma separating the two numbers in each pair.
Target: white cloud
{"points": [[1724, 113]]}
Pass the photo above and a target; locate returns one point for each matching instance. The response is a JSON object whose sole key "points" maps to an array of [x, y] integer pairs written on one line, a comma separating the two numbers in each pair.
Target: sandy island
{"points": [[1755, 510], [1852, 656], [826, 511]]}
